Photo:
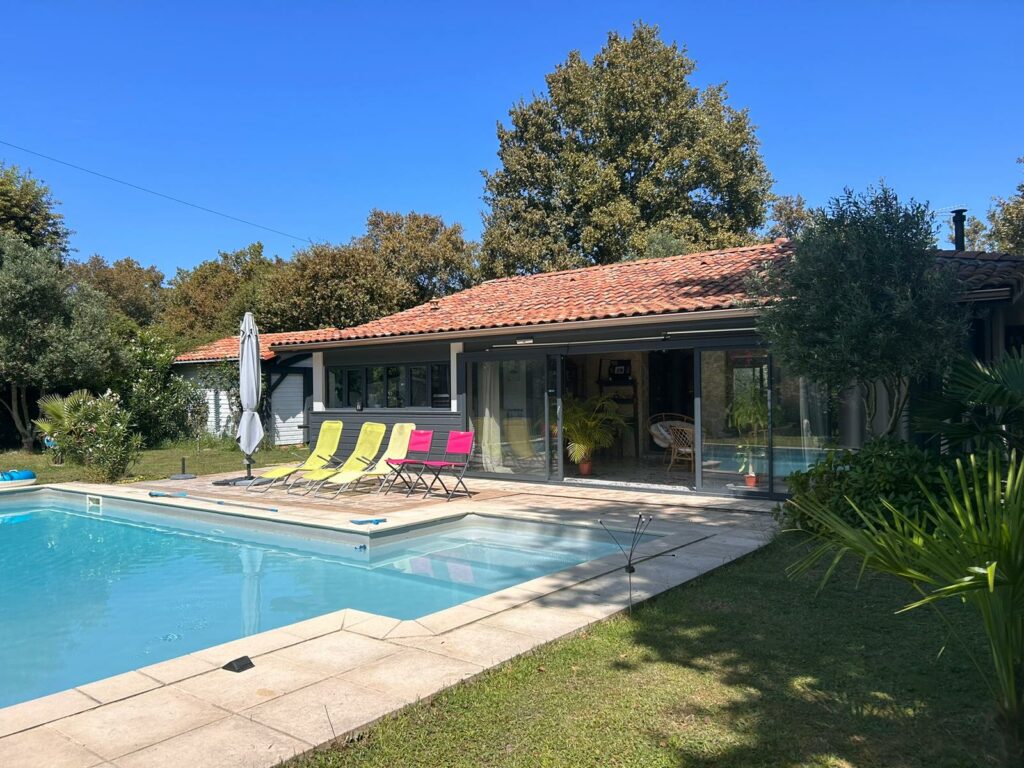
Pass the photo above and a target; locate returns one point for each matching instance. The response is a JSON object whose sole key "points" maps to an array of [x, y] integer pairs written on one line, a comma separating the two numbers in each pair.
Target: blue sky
{"points": [[303, 116]]}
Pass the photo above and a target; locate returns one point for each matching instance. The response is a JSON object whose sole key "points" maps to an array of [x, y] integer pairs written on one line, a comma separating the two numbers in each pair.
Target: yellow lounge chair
{"points": [[319, 458], [371, 435], [398, 448]]}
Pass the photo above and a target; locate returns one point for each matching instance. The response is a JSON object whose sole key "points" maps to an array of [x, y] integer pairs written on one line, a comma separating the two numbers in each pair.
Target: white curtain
{"points": [[489, 408]]}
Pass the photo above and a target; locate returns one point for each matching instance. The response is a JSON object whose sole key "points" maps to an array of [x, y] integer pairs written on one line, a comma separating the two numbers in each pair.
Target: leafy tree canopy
{"points": [[864, 300], [209, 300], [53, 333], [1003, 228], [28, 208], [789, 216], [331, 285], [434, 258], [133, 290], [619, 150]]}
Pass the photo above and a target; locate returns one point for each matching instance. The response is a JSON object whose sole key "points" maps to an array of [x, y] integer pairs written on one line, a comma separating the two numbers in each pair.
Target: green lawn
{"points": [[207, 458], [742, 667]]}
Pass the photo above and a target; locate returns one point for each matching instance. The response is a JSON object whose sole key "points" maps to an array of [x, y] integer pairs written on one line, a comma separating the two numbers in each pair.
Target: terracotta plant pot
{"points": [[586, 467], [750, 480]]}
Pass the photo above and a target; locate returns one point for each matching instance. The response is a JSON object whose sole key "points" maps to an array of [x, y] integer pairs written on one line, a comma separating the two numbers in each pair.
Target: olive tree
{"points": [[864, 301]]}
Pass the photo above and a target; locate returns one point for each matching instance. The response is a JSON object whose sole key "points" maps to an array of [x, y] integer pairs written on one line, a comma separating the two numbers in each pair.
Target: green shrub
{"points": [[165, 407], [94, 432], [885, 468]]}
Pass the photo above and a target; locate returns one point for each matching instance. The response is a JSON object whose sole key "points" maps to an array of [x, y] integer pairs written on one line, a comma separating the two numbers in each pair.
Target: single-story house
{"points": [[672, 340], [289, 382]]}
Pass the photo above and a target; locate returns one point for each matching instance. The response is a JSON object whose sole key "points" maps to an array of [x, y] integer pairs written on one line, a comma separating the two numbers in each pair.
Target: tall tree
{"points": [[1006, 221], [434, 258], [210, 299], [331, 285], [135, 291], [616, 148], [789, 216], [1003, 228], [53, 333], [28, 208], [864, 301]]}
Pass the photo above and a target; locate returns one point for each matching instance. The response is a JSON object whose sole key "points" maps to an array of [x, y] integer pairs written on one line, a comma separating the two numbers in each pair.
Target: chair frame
{"points": [[456, 469], [403, 469]]}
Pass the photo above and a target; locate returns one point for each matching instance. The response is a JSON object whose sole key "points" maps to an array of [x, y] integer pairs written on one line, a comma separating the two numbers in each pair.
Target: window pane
{"points": [[418, 382], [397, 389], [734, 419], [335, 387], [506, 410], [375, 393], [803, 426], [354, 376], [440, 391]]}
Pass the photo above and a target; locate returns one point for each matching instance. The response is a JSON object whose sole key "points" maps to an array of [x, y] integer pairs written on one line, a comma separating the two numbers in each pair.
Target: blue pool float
{"points": [[370, 521], [16, 478]]}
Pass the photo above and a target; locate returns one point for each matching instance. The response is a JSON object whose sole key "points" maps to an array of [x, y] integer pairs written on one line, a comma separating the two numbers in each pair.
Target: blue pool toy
{"points": [[17, 478], [370, 521]]}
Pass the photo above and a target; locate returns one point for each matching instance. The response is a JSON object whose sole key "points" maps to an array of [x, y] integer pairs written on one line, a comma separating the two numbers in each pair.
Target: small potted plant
{"points": [[589, 426], [749, 416]]}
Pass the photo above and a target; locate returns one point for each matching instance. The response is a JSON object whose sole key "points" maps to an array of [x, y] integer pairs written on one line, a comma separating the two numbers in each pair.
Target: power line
{"points": [[158, 194]]}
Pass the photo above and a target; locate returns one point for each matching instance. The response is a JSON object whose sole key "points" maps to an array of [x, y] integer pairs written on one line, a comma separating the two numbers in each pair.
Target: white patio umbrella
{"points": [[250, 428]]}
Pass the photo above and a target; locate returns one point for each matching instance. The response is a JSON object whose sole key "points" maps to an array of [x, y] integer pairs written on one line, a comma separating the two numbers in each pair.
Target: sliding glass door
{"points": [[758, 423], [510, 413], [734, 424]]}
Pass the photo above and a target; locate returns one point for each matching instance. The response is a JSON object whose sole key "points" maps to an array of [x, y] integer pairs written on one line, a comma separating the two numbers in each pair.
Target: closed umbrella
{"points": [[250, 428]]}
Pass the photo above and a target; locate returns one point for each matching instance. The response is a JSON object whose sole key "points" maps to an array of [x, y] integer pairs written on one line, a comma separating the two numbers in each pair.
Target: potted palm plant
{"points": [[749, 416], [590, 425]]}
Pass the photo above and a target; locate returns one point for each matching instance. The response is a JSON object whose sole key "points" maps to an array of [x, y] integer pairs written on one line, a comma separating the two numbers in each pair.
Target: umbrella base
{"points": [[184, 476], [236, 481]]}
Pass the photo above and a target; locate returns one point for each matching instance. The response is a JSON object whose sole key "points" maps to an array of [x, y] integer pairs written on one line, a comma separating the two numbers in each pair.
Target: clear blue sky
{"points": [[303, 116]]}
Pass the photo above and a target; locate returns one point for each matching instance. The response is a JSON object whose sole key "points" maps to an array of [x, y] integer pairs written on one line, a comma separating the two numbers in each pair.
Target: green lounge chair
{"points": [[371, 435], [398, 448], [319, 458]]}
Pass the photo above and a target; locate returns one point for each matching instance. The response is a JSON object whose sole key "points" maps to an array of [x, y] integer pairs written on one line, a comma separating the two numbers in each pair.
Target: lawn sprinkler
{"points": [[642, 524]]}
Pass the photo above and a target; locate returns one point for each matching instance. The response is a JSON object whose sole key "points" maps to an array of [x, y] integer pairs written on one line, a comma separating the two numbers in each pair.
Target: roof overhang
{"points": [[508, 330]]}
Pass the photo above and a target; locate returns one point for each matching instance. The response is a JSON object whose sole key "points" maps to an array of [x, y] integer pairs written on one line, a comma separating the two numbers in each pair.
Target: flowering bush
{"points": [[94, 432]]}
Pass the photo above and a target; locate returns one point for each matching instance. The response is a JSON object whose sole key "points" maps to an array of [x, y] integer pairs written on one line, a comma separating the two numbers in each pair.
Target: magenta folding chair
{"points": [[410, 469], [456, 459]]}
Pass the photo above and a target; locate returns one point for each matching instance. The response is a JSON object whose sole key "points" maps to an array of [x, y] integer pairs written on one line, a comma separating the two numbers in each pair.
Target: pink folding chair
{"points": [[410, 469], [456, 459]]}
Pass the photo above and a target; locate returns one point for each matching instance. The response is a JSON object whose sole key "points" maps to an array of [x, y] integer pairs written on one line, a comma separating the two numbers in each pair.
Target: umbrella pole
{"points": [[248, 466]]}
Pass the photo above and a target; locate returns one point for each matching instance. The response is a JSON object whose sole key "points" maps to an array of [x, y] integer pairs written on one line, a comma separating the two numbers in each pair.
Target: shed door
{"points": [[287, 407]]}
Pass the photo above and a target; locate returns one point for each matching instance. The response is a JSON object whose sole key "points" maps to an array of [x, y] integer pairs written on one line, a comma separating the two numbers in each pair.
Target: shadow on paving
{"points": [[815, 679]]}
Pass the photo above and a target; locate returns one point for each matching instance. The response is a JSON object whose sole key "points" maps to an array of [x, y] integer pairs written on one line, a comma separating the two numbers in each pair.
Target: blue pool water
{"points": [[86, 595]]}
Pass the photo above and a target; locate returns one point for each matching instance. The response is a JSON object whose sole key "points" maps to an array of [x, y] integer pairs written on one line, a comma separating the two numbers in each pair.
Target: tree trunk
{"points": [[1012, 727], [18, 408]]}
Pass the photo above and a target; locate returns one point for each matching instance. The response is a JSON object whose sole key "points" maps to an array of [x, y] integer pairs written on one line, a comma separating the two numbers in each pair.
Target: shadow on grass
{"points": [[814, 679]]}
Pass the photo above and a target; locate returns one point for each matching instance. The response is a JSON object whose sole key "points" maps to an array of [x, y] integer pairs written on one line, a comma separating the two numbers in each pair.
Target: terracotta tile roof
{"points": [[696, 281], [981, 270], [227, 348]]}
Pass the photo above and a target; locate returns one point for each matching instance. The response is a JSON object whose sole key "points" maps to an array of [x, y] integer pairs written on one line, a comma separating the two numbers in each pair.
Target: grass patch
{"points": [[742, 667], [206, 457]]}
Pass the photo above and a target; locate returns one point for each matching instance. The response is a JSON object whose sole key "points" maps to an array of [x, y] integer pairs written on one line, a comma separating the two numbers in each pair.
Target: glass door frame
{"points": [[548, 358]]}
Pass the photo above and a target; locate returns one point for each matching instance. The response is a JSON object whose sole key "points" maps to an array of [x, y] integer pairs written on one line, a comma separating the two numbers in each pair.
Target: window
{"points": [[418, 386], [375, 387], [440, 380], [354, 391], [423, 385]]}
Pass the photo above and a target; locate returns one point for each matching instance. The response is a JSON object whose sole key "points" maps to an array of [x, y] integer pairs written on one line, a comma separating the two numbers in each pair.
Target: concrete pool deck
{"points": [[330, 677]]}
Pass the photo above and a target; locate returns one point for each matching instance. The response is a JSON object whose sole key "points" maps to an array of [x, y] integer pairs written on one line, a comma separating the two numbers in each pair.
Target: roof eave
{"points": [[505, 330]]}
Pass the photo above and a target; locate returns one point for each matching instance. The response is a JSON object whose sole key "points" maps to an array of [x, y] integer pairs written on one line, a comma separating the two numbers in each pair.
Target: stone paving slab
{"points": [[334, 675]]}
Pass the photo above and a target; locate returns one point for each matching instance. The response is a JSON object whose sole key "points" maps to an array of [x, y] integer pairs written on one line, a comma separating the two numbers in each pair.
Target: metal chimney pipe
{"points": [[959, 220]]}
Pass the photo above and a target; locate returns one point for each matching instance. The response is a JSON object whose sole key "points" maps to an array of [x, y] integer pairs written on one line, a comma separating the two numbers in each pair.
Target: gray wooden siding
{"points": [[441, 421], [287, 411]]}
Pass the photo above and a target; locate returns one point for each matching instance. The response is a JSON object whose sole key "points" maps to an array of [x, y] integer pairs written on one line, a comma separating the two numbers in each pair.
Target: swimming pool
{"points": [[88, 591]]}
